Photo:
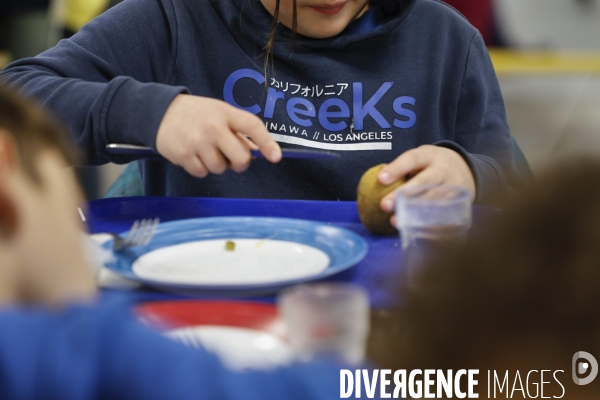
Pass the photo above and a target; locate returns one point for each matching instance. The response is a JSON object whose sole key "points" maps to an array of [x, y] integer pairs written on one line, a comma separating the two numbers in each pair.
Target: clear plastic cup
{"points": [[326, 321], [430, 217]]}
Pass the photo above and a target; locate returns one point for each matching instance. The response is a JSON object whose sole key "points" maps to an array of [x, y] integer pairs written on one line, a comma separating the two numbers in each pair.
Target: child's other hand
{"points": [[427, 165], [205, 135]]}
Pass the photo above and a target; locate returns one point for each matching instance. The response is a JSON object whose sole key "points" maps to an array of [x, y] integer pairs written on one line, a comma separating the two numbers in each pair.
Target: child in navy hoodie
{"points": [[56, 342], [408, 83]]}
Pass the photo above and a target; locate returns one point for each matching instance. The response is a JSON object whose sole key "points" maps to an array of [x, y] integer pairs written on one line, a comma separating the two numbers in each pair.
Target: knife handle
{"points": [[147, 152]]}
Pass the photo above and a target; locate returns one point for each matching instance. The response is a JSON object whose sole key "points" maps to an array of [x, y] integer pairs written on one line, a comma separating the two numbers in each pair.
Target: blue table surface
{"points": [[379, 273]]}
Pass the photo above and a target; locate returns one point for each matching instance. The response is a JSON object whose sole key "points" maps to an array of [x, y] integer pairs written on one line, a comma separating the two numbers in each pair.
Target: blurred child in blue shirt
{"points": [[56, 340]]}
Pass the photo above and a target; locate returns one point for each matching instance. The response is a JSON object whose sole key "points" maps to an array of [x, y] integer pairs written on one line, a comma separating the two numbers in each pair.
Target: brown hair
{"points": [[527, 291], [33, 130], [271, 39]]}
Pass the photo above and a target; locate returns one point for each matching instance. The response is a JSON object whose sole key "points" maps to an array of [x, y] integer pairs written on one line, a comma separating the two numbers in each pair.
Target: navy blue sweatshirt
{"points": [[420, 77]]}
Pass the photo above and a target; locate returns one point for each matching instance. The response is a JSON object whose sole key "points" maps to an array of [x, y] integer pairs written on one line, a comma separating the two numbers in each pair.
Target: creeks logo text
{"points": [[332, 113]]}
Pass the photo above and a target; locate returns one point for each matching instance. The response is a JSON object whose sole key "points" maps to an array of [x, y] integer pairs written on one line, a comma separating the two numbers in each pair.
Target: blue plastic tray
{"points": [[379, 272]]}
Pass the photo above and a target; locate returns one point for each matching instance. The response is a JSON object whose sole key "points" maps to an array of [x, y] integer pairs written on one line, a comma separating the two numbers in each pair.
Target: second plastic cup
{"points": [[326, 320], [430, 217]]}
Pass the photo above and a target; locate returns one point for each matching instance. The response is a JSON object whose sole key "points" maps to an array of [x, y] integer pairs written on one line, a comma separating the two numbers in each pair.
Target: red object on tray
{"points": [[184, 313]]}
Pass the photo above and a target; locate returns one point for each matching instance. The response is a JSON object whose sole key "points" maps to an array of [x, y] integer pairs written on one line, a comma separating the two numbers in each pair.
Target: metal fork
{"points": [[188, 338], [140, 234]]}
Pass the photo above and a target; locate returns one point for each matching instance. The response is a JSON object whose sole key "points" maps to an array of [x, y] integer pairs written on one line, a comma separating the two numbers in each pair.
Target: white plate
{"points": [[238, 348], [189, 256], [253, 261]]}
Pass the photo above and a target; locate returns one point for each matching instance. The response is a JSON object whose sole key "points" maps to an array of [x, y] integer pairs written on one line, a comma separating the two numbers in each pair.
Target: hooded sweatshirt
{"points": [[385, 85]]}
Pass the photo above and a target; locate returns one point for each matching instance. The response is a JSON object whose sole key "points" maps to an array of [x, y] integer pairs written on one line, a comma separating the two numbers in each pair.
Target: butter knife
{"points": [[147, 152]]}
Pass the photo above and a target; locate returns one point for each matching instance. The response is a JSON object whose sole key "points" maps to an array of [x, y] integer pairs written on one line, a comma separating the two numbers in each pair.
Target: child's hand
{"points": [[205, 135], [427, 165]]}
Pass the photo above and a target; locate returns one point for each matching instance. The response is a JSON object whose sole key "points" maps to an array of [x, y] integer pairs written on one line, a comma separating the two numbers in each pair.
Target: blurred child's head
{"points": [[523, 297], [41, 256]]}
